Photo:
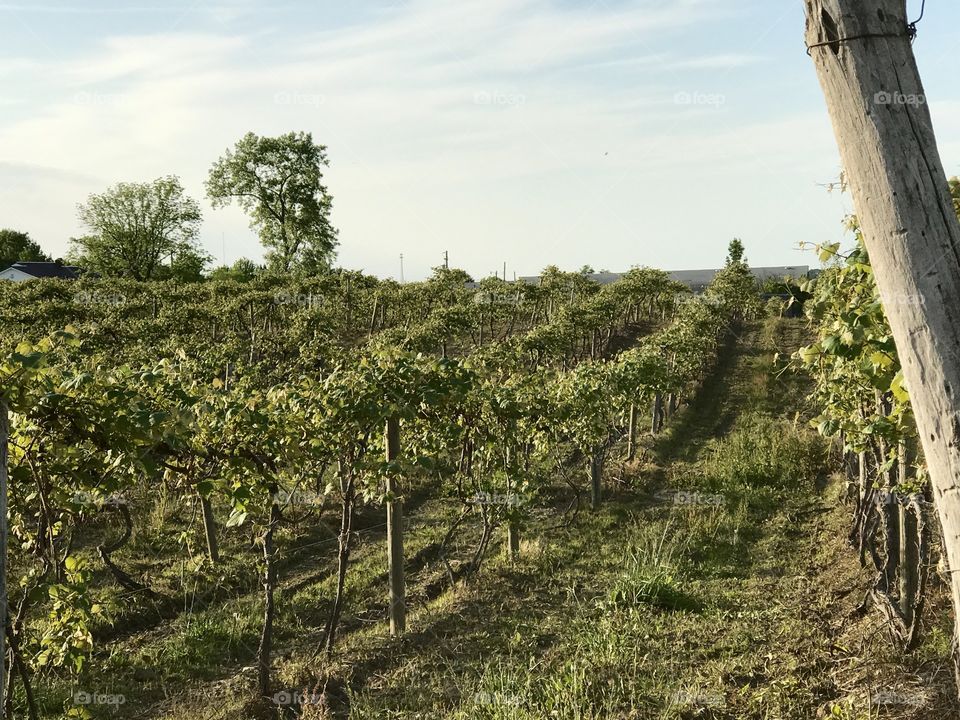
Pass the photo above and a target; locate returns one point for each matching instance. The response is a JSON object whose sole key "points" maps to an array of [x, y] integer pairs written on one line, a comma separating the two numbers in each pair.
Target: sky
{"points": [[611, 133]]}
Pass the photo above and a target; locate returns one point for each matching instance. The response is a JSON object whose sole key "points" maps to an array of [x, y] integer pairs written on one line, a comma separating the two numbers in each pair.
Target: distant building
{"points": [[23, 271], [697, 280]]}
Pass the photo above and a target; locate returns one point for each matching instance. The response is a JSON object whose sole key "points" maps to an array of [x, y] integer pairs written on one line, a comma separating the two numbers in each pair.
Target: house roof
{"points": [[47, 270]]}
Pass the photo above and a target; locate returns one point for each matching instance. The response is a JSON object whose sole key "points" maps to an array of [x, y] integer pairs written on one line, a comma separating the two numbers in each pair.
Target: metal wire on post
{"points": [[910, 34]]}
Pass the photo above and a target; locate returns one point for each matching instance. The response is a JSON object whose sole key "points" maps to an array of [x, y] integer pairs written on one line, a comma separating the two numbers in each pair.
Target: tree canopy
{"points": [[278, 182], [138, 230], [735, 252], [18, 246]]}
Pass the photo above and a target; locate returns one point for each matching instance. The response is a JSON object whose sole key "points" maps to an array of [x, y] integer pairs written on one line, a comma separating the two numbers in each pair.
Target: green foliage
{"points": [[765, 452], [650, 574], [135, 227], [859, 381], [278, 182], [18, 246], [735, 252], [242, 270], [246, 393]]}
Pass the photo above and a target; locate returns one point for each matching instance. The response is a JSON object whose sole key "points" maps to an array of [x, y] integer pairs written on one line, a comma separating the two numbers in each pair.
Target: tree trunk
{"points": [[889, 154], [398, 601]]}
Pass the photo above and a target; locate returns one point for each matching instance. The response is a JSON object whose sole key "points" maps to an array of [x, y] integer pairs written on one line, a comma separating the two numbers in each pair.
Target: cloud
{"points": [[485, 123]]}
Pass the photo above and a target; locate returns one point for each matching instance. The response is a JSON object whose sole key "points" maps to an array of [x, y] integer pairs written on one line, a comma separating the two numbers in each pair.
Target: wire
{"points": [[923, 7], [911, 33]]}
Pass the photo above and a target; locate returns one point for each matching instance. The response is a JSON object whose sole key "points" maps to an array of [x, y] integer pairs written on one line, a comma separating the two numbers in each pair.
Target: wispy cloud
{"points": [[492, 128]]}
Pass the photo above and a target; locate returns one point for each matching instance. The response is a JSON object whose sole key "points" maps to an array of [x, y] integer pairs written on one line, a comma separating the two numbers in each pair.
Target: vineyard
{"points": [[346, 497]]}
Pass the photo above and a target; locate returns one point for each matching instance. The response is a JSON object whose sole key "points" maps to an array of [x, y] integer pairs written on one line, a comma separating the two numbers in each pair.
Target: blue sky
{"points": [[611, 133]]}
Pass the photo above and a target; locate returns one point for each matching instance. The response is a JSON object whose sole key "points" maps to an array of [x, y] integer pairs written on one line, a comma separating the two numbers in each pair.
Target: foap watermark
{"points": [[82, 697], [485, 498], [291, 699], [685, 97], [99, 99], [99, 298], [498, 98], [496, 698], [294, 98], [903, 299], [699, 698], [297, 497], [89, 499], [684, 497], [892, 698], [489, 298], [898, 98], [304, 300], [692, 299]]}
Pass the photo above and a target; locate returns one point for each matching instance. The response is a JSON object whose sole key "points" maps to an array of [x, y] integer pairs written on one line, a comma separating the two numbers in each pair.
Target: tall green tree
{"points": [[735, 252], [136, 229], [16, 246], [278, 182]]}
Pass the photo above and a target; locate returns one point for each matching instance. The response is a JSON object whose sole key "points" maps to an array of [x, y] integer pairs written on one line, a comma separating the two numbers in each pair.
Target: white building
{"points": [[23, 271]]}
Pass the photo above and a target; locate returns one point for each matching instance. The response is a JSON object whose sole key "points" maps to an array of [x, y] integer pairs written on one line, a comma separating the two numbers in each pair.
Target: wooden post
{"points": [[596, 479], [909, 546], [864, 60], [398, 601], [4, 437], [265, 651], [657, 413], [513, 530], [513, 540], [632, 433], [210, 529]]}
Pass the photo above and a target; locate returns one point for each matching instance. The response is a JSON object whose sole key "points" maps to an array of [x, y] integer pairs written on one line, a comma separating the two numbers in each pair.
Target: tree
{"points": [[735, 252], [16, 246], [278, 182], [187, 265], [243, 270], [135, 227], [864, 59]]}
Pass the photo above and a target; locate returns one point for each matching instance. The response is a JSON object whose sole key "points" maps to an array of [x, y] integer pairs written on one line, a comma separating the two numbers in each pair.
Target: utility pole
{"points": [[401, 268], [446, 259], [504, 270], [863, 55], [4, 439]]}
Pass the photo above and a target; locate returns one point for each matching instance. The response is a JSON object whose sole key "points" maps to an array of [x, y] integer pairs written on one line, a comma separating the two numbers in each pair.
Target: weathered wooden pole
{"points": [[210, 529], [657, 413], [596, 479], [909, 574], [398, 600], [4, 435], [632, 433], [513, 528], [864, 59], [265, 650]]}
